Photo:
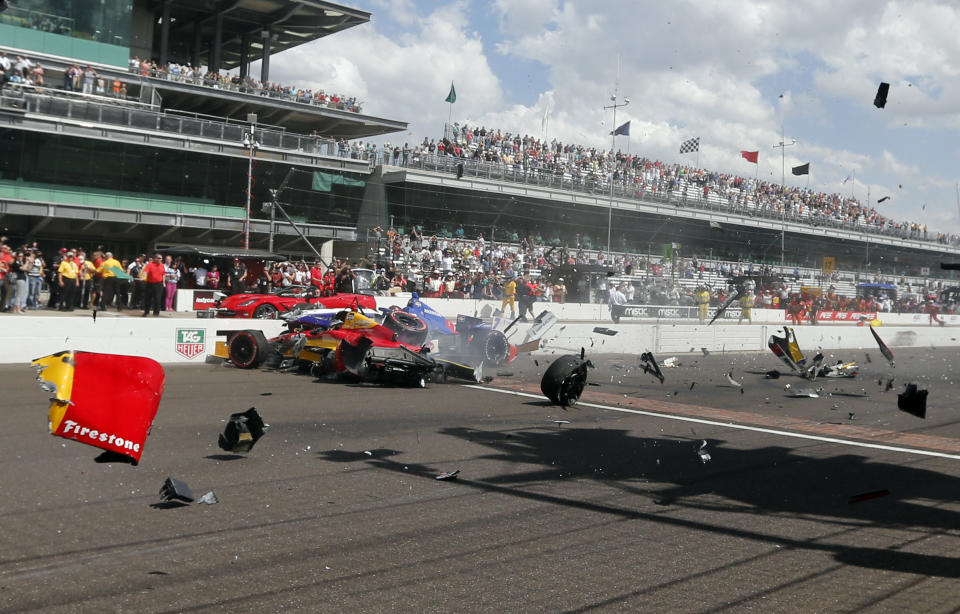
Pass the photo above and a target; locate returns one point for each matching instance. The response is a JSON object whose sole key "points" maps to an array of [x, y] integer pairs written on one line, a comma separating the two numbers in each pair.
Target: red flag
{"points": [[750, 156]]}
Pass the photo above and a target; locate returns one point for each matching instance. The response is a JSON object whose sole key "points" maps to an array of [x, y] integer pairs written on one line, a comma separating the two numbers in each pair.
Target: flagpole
{"points": [[613, 146]]}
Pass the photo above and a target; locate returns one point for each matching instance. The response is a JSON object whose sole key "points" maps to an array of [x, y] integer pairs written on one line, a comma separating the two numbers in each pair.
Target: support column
{"points": [[197, 43], [216, 51], [244, 55], [265, 38], [164, 32]]}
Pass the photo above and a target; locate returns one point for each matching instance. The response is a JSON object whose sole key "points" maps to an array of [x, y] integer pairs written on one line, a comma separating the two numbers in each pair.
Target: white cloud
{"points": [[691, 68]]}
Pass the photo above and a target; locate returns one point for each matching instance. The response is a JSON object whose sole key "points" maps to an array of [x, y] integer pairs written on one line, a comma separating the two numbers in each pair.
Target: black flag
{"points": [[803, 169]]}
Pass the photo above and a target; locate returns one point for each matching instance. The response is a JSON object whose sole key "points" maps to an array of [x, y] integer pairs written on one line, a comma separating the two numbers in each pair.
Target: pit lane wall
{"points": [[190, 340]]}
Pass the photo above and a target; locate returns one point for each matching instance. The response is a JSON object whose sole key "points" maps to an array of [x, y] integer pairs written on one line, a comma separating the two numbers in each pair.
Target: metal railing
{"points": [[36, 20], [686, 195], [114, 112], [243, 88]]}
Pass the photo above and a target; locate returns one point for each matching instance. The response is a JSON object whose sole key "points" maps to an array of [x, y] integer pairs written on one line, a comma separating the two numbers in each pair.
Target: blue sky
{"points": [[691, 68]]}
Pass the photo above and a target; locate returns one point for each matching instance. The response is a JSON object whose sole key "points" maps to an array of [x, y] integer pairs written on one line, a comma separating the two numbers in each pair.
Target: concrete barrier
{"points": [[173, 340], [166, 340]]}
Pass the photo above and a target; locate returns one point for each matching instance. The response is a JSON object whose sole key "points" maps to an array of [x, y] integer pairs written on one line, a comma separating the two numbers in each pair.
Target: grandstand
{"points": [[161, 156], [141, 159]]}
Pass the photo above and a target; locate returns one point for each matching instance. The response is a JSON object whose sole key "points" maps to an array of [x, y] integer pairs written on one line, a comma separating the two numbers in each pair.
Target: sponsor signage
{"points": [[670, 312], [203, 300], [845, 316], [191, 342]]}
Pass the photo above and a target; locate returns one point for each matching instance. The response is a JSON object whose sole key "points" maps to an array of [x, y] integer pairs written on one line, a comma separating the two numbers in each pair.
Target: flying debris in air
{"points": [[103, 400], [883, 347], [723, 306], [883, 199], [242, 432], [880, 100], [175, 490]]}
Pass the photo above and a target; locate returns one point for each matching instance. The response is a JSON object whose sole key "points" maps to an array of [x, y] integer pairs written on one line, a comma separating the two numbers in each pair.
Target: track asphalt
{"points": [[831, 504]]}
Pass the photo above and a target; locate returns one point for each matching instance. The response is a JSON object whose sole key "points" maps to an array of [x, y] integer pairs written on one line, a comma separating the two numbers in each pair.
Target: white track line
{"points": [[730, 425]]}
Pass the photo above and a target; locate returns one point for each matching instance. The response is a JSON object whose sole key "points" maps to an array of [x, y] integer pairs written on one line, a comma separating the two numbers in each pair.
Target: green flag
{"points": [[452, 96], [324, 182]]}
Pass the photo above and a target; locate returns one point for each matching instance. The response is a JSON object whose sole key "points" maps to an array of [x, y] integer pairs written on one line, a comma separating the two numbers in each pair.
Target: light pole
{"points": [[783, 180], [250, 142], [613, 146]]}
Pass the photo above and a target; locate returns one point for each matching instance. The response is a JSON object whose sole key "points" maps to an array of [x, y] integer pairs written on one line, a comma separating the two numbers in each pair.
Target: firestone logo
{"points": [[191, 342]]}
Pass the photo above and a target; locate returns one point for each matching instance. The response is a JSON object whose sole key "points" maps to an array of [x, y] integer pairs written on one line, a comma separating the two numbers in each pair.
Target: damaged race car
{"points": [[788, 351], [351, 344], [270, 306], [473, 339]]}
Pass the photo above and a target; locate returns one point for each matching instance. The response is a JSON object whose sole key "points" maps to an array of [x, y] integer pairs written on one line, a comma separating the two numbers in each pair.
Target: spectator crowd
{"points": [[638, 176], [196, 75]]}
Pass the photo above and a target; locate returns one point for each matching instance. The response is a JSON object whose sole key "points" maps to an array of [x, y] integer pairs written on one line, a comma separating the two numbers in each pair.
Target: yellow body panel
{"points": [[57, 369]]}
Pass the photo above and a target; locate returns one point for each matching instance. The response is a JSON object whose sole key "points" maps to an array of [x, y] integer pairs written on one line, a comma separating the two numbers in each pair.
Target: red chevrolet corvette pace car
{"points": [[267, 306]]}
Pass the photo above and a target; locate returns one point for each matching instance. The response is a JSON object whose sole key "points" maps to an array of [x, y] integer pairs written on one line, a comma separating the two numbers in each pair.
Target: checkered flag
{"points": [[690, 146]]}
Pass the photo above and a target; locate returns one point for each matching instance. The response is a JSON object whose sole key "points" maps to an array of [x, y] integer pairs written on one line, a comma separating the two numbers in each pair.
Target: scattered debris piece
{"points": [[175, 490], [368, 452], [604, 331], [649, 365], [450, 475], [703, 454], [866, 496], [593, 384], [813, 393], [732, 381], [242, 432], [564, 380], [772, 374], [670, 363], [705, 351], [504, 373], [692, 384], [107, 401], [889, 385], [913, 401], [867, 357], [209, 498]]}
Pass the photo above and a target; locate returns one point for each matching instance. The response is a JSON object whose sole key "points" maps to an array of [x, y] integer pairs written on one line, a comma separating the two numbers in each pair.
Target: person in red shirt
{"points": [[329, 281], [316, 275], [153, 276]]}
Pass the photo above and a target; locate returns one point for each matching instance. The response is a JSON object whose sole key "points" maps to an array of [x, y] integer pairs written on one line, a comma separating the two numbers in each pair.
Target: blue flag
{"points": [[624, 130]]}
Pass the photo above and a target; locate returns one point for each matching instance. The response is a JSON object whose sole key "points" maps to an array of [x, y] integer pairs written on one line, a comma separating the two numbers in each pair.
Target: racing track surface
{"points": [[337, 508]]}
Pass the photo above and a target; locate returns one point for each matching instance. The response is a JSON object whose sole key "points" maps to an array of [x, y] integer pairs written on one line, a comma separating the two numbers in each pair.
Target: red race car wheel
{"points": [[247, 349]]}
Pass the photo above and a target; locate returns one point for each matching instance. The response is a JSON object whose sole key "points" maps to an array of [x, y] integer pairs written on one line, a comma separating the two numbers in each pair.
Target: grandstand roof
{"points": [[292, 23]]}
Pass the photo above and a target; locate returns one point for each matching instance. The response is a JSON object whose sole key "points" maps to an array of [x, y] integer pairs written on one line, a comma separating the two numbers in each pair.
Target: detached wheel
{"points": [[248, 349], [492, 346], [409, 328], [565, 379], [265, 312]]}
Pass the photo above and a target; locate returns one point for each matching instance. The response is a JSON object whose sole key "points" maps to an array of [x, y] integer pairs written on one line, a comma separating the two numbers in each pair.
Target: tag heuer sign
{"points": [[191, 342]]}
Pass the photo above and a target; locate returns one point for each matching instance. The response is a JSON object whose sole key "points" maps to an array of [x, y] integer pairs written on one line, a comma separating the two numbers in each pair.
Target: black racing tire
{"points": [[564, 380], [248, 349], [265, 311], [409, 328], [492, 346]]}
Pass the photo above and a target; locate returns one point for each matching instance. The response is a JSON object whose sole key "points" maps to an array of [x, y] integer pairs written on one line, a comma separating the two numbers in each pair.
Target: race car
{"points": [[352, 343], [788, 350], [268, 306]]}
